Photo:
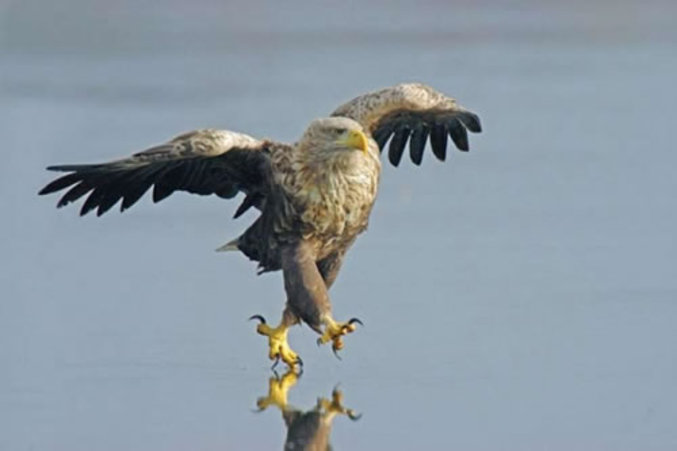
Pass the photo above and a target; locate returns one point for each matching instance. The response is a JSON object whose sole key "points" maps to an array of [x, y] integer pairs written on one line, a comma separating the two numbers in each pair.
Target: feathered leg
{"points": [[308, 297]]}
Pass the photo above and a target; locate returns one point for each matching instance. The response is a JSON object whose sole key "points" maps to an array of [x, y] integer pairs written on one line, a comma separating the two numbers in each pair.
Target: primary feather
{"points": [[315, 196]]}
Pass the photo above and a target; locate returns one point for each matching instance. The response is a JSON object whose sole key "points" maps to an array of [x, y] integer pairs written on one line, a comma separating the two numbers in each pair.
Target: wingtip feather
{"points": [[471, 121]]}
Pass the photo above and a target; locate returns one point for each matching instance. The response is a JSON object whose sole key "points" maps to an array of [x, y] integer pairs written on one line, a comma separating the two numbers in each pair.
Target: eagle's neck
{"points": [[332, 197], [329, 180], [342, 173]]}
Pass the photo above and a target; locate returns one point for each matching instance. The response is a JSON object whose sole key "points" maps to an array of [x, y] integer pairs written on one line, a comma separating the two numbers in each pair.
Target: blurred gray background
{"points": [[522, 296]]}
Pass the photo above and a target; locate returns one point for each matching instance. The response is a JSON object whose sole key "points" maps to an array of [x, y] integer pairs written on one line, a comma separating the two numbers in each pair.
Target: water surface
{"points": [[521, 296]]}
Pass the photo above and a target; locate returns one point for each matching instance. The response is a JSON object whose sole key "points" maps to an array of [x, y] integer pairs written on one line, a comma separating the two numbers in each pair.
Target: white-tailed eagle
{"points": [[314, 196]]}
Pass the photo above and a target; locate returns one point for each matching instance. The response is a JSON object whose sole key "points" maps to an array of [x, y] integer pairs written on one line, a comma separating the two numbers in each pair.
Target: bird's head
{"points": [[334, 137]]}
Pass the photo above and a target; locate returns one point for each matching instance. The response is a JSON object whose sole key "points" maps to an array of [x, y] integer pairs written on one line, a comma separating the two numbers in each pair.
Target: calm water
{"points": [[522, 296]]}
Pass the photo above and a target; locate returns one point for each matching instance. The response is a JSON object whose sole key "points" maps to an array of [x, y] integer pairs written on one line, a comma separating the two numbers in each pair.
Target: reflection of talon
{"points": [[336, 407], [334, 331], [306, 429], [278, 348], [277, 391]]}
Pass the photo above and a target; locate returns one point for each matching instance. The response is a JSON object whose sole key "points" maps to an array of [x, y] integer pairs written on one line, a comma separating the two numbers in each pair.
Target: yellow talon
{"points": [[334, 331], [278, 348]]}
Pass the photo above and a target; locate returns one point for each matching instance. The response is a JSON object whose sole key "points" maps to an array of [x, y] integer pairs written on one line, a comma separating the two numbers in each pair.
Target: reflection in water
{"points": [[306, 430]]}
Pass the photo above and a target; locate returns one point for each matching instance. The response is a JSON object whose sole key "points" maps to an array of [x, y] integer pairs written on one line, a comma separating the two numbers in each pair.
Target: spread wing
{"points": [[412, 112], [201, 162]]}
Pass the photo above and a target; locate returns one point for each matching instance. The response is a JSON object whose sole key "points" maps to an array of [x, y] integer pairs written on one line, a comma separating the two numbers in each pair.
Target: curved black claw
{"points": [[259, 317], [299, 360], [277, 360], [353, 416], [350, 322], [335, 350]]}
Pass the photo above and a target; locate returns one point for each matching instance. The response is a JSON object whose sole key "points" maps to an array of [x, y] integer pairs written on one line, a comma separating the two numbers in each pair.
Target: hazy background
{"points": [[522, 296]]}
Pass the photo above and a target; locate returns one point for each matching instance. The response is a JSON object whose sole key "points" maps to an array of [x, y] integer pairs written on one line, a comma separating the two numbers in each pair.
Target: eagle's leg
{"points": [[306, 284], [277, 391], [278, 348], [334, 331]]}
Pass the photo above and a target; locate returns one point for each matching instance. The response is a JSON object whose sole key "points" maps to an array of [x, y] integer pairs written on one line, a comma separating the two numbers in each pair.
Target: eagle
{"points": [[314, 196]]}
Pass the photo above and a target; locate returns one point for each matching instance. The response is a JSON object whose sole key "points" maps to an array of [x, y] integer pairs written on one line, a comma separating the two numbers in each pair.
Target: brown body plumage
{"points": [[319, 194], [315, 196]]}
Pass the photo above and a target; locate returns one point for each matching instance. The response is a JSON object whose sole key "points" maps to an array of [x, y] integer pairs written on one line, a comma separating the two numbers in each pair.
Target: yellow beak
{"points": [[355, 139]]}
